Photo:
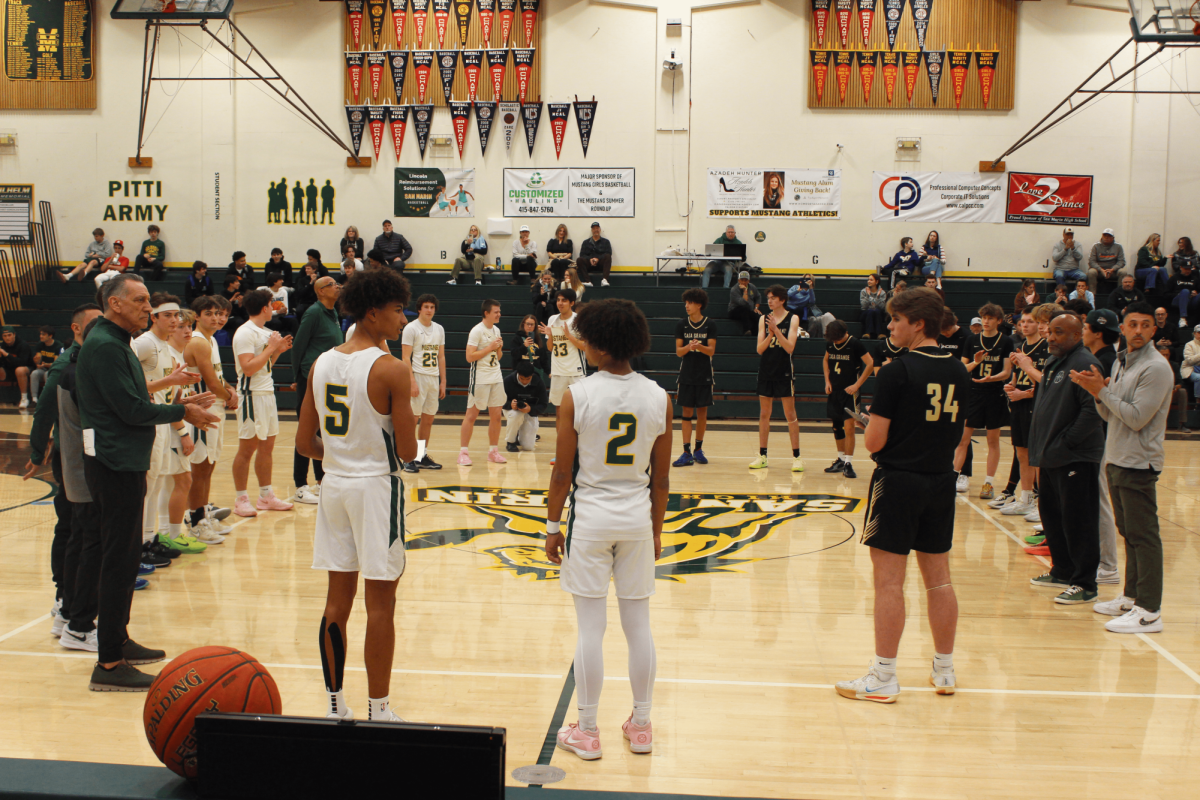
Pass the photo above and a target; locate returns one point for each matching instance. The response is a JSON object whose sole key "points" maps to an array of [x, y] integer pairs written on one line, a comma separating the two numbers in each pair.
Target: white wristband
{"points": [[552, 527]]}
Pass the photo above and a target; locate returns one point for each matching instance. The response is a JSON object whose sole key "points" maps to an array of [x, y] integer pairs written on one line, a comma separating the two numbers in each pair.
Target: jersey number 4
{"points": [[613, 455], [936, 406], [337, 422]]}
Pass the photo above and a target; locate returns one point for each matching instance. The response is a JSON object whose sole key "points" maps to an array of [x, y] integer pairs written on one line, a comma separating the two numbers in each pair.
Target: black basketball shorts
{"points": [[837, 402], [910, 511], [781, 388], [694, 395], [1022, 419], [987, 410]]}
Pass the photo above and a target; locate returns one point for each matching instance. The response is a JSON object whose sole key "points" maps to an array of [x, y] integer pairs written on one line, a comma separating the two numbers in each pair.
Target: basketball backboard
{"points": [[172, 9], [1165, 20]]}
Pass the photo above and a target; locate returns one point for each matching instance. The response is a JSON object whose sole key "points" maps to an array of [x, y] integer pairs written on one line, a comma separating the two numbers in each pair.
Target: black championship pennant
{"points": [[460, 116], [357, 117], [820, 10], [399, 11], [559, 114], [529, 13], [447, 65], [472, 64], [376, 63], [508, 10], [422, 61], [985, 66], [921, 9], [585, 116], [485, 113], [398, 59], [376, 119], [487, 13], [354, 15], [523, 62], [893, 10], [462, 16], [398, 117], [422, 117], [375, 12], [420, 13], [935, 60], [497, 60], [531, 115], [866, 17], [354, 67]]}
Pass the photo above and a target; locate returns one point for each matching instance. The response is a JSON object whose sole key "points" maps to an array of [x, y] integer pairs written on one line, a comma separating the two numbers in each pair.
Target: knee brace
{"points": [[839, 430]]}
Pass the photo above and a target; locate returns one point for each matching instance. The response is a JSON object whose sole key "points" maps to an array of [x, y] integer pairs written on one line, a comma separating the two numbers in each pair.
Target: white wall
{"points": [[739, 101]]}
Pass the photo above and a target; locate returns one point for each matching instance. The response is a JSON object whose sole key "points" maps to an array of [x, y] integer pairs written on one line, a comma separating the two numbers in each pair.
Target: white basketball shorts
{"points": [[158, 453], [588, 565], [208, 443], [360, 526], [558, 386], [488, 395], [258, 417], [427, 401], [175, 462]]}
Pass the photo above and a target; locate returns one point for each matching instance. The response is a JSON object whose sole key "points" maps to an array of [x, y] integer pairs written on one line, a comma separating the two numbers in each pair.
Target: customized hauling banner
{"points": [[794, 193], [420, 13], [460, 117], [844, 9], [354, 66], [585, 117], [376, 117], [422, 61], [399, 7], [866, 15], [357, 117], [422, 117], [935, 60], [472, 62], [398, 117], [892, 11], [1049, 199], [354, 13], [960, 62], [398, 59], [487, 12], [529, 13], [868, 61], [559, 114], [496, 61], [376, 62], [891, 69], [921, 9], [820, 71], [434, 193], [820, 10], [447, 64], [985, 66], [569, 192], [441, 20], [910, 62], [462, 16], [508, 121], [485, 115], [531, 115], [523, 62], [937, 197], [375, 12]]}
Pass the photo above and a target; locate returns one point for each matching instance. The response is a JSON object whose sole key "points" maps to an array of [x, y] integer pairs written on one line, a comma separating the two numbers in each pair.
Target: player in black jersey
{"points": [[695, 343], [847, 365], [778, 331], [987, 356], [1028, 360], [891, 351], [953, 340], [916, 424]]}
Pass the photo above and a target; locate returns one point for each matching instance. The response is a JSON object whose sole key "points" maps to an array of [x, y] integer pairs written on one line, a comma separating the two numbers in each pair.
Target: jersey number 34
{"points": [[937, 406]]}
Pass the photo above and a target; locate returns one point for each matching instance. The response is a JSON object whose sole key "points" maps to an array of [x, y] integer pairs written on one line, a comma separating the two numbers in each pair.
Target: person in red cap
{"points": [[117, 261]]}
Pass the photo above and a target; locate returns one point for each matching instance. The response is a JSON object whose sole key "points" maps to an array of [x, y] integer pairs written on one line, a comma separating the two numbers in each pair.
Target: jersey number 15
{"points": [[936, 404]]}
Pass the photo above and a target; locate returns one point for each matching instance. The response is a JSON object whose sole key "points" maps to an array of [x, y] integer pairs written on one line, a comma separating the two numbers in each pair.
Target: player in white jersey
{"points": [[486, 391], [568, 363], [162, 375], [202, 355], [423, 344], [615, 429], [255, 350], [357, 419]]}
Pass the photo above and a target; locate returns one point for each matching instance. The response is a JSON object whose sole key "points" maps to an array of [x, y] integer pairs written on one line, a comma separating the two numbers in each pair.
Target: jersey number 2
{"points": [[934, 390], [338, 421], [614, 455]]}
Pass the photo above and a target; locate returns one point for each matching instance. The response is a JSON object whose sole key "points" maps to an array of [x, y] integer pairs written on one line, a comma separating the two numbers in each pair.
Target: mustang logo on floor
{"points": [[702, 533]]}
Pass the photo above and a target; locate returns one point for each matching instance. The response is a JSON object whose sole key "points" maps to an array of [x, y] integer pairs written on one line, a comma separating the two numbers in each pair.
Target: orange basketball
{"points": [[204, 679]]}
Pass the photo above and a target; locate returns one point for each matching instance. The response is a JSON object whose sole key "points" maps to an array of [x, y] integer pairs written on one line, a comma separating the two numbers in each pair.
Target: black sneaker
{"points": [[429, 463], [836, 466], [156, 561], [134, 653], [848, 472], [511, 447], [159, 551], [121, 678], [412, 466]]}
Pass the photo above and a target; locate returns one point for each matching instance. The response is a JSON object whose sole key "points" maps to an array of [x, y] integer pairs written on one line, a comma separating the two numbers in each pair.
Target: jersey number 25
{"points": [[936, 406]]}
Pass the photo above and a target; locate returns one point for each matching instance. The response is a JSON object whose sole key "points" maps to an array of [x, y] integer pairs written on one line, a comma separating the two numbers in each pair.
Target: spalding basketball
{"points": [[204, 679]]}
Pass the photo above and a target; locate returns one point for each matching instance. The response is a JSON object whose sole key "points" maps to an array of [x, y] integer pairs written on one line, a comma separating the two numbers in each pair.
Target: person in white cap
{"points": [[1067, 256], [1107, 260], [525, 257]]}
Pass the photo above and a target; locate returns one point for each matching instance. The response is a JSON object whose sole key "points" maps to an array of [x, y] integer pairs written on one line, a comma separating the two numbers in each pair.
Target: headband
{"points": [[165, 307]]}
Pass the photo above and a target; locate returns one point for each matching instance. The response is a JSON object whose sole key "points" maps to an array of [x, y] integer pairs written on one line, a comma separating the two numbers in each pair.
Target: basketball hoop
{"points": [[1194, 13]]}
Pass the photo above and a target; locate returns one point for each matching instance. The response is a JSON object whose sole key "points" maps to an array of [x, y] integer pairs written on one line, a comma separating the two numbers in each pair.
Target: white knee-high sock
{"points": [[643, 660], [150, 508], [164, 502], [591, 613]]}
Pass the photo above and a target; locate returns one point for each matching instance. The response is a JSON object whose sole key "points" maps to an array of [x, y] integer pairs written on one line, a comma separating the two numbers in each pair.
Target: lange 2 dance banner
{"points": [[434, 193], [795, 193], [1049, 199], [569, 192], [937, 197]]}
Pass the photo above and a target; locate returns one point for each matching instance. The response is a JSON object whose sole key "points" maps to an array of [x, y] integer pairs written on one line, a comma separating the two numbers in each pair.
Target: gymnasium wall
{"points": [[739, 101]]}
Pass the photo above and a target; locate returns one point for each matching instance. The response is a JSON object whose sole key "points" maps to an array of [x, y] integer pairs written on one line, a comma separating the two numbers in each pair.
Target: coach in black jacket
{"points": [[395, 248], [1066, 442], [525, 399]]}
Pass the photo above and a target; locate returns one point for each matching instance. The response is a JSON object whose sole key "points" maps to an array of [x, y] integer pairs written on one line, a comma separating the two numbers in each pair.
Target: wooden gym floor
{"points": [[764, 600]]}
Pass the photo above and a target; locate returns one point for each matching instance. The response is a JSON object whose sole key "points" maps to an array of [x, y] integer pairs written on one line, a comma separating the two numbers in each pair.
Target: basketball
{"points": [[203, 679]]}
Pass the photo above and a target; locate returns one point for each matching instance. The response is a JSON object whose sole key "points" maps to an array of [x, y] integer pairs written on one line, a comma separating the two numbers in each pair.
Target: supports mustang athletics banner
{"points": [[434, 193], [569, 192], [937, 197], [795, 193]]}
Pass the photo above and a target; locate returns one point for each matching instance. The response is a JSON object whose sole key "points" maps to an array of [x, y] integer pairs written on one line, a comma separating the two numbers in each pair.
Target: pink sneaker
{"points": [[464, 460], [640, 737], [243, 508], [272, 503], [495, 457], [585, 744]]}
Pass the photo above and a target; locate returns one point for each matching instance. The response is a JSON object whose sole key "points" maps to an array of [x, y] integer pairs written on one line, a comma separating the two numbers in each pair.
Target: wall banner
{"points": [[399, 12], [375, 12], [866, 16], [422, 61], [985, 67], [472, 63], [441, 19], [820, 10], [508, 122], [585, 117], [487, 13], [569, 192], [354, 12], [937, 197], [523, 63], [531, 116], [485, 115], [508, 11], [892, 11], [376, 62], [1049, 199], [398, 117], [462, 17], [844, 9], [460, 116], [447, 65], [422, 117], [376, 118], [559, 114], [497, 60], [357, 117], [434, 193], [420, 13], [921, 10], [792, 193], [934, 61], [354, 66], [399, 62], [529, 13]]}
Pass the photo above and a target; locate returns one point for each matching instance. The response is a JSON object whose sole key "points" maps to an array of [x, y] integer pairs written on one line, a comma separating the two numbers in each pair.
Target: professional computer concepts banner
{"points": [[938, 197], [788, 193]]}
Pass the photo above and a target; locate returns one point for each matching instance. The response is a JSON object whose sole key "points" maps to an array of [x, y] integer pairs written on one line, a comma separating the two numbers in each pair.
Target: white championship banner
{"points": [[569, 192], [938, 197], [790, 193]]}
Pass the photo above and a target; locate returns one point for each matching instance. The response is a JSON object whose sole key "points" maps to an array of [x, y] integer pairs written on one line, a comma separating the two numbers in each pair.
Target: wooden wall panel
{"points": [[57, 94]]}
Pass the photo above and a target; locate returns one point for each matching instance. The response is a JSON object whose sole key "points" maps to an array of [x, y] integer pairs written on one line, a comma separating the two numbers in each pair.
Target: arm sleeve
{"points": [[1153, 388]]}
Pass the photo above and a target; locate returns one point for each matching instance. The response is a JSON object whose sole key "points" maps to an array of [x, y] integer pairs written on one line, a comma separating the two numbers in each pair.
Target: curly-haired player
{"points": [[617, 423], [358, 420]]}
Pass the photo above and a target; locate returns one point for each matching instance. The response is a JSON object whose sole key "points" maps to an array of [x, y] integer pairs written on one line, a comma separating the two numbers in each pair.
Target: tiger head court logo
{"points": [[702, 533]]}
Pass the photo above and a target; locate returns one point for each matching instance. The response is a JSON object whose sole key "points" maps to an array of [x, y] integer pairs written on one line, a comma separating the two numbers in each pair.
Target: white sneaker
{"points": [[942, 680], [870, 687], [479, 283], [1108, 576], [213, 512], [1034, 516], [308, 494], [452, 282], [1117, 607], [1004, 499], [1137, 620], [203, 532], [603, 282], [963, 484], [1018, 509], [390, 716], [1183, 323], [79, 641], [218, 527], [347, 713], [588, 285], [57, 620], [24, 402], [1038, 528]]}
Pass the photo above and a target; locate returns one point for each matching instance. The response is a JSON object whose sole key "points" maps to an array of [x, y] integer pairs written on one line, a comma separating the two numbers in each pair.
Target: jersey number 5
{"points": [[337, 422], [934, 390], [614, 455]]}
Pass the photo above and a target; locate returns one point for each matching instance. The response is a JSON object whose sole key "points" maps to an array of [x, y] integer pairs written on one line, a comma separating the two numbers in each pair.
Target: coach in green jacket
{"points": [[319, 331], [118, 420]]}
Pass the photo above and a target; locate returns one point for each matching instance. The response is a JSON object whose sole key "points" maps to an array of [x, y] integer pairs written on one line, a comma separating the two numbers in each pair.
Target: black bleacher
{"points": [[736, 362]]}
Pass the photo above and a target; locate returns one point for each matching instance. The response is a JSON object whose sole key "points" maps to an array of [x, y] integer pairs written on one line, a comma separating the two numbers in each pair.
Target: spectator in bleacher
{"points": [[543, 296], [44, 355], [242, 270], [594, 254], [233, 293], [1107, 260], [528, 345], [16, 362], [281, 320], [1027, 297], [1060, 295], [394, 248], [872, 301], [98, 251], [976, 326], [1184, 254], [902, 264], [1067, 256], [573, 282], [897, 289], [306, 293], [525, 256], [932, 283], [278, 264], [474, 247], [933, 257], [1125, 294], [350, 264], [374, 259], [1191, 359], [1151, 264], [726, 268], [198, 283], [560, 250], [744, 299], [352, 239], [116, 262], [1082, 293], [152, 255], [802, 299], [1164, 331], [1183, 291]]}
